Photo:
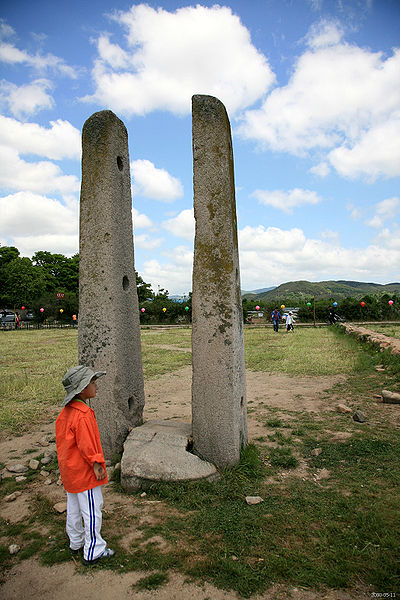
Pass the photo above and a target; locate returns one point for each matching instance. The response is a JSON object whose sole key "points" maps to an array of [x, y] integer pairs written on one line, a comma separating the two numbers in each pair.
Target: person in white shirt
{"points": [[289, 322]]}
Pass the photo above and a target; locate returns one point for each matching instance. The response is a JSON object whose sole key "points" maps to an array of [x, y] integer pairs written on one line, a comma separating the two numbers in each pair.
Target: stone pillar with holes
{"points": [[219, 418], [109, 325]]}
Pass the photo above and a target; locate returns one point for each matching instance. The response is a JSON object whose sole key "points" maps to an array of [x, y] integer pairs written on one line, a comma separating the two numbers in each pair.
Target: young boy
{"points": [[82, 465], [289, 322]]}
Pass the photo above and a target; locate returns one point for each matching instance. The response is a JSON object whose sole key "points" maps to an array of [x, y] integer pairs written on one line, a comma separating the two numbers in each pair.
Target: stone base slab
{"points": [[158, 451]]}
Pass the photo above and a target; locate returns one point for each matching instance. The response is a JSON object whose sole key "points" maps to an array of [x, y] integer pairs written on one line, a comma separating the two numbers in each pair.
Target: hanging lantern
{"points": [[143, 310], [164, 310]]}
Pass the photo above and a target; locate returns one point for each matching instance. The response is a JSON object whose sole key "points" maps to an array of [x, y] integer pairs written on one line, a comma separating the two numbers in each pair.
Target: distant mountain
{"points": [[256, 292], [300, 290]]}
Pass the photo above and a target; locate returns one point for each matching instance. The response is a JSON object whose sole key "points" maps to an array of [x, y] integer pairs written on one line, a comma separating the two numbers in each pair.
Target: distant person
{"points": [[3, 317], [332, 316], [82, 465], [17, 321], [289, 322], [275, 316]]}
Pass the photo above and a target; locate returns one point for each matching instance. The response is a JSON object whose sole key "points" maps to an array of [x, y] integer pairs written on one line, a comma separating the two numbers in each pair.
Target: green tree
{"points": [[7, 254], [143, 289], [22, 282], [60, 272]]}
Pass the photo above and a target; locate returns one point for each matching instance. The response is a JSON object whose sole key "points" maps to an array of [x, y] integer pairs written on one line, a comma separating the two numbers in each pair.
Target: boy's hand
{"points": [[99, 471]]}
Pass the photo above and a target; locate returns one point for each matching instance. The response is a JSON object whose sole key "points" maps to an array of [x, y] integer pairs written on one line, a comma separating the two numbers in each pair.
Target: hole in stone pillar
{"points": [[189, 445], [130, 404], [241, 402], [120, 163], [125, 282]]}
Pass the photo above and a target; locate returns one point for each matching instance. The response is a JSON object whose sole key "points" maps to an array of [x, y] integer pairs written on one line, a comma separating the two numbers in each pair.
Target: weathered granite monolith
{"points": [[218, 383], [109, 327]]}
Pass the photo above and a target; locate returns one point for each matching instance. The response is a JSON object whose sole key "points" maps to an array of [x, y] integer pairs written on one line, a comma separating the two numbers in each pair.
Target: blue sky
{"points": [[312, 89]]}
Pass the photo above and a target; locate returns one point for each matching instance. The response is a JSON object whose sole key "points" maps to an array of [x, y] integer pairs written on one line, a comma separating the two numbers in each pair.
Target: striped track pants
{"points": [[87, 506]]}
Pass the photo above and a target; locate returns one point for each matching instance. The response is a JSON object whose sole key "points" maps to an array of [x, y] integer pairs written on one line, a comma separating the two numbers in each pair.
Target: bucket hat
{"points": [[76, 379]]}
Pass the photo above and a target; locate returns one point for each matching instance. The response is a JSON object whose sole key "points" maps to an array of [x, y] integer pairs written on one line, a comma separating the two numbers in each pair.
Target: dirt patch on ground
{"points": [[167, 397], [61, 582]]}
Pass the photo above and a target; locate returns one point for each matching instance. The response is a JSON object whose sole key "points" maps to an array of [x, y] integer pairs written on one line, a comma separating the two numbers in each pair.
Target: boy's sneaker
{"points": [[75, 552], [108, 553]]}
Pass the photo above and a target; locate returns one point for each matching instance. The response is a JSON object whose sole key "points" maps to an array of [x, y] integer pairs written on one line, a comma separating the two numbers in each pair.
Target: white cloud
{"points": [[270, 256], [61, 140], [388, 208], [42, 177], [146, 242], [172, 55], [11, 55], [26, 99], [140, 221], [286, 201], [6, 31], [385, 210], [183, 225], [151, 182], [34, 222], [112, 54], [175, 275], [27, 214], [389, 240], [324, 33], [55, 243], [377, 153], [331, 236], [355, 213], [321, 170], [340, 98]]}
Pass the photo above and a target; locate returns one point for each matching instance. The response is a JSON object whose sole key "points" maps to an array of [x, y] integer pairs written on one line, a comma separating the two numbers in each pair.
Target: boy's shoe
{"points": [[108, 553], [75, 552]]}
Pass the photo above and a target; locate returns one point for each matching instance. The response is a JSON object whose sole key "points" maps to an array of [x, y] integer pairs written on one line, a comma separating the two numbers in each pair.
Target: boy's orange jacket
{"points": [[78, 447]]}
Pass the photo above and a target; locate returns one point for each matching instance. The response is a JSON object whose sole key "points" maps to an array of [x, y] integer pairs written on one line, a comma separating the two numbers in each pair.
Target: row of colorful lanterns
{"points": [[362, 303], [42, 311], [282, 307], [164, 309]]}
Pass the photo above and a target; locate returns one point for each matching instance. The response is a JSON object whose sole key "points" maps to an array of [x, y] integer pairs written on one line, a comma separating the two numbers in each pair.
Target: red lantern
{"points": [[41, 310], [390, 302], [143, 309], [22, 307], [363, 304]]}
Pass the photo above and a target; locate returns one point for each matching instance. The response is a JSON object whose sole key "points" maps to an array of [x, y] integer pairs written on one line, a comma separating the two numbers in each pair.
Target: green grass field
{"points": [[341, 532], [392, 330]]}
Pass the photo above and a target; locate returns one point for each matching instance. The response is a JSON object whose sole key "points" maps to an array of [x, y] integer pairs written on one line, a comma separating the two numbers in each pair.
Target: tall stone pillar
{"points": [[219, 418], [109, 326]]}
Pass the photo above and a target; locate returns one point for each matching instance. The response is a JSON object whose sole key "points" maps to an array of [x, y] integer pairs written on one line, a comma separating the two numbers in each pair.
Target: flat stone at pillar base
{"points": [[157, 451]]}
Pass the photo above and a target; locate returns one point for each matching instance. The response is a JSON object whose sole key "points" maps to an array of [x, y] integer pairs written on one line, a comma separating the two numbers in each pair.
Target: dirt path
{"points": [[167, 397]]}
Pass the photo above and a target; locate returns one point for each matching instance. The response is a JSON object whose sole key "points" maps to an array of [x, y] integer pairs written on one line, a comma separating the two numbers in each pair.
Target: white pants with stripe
{"points": [[87, 506]]}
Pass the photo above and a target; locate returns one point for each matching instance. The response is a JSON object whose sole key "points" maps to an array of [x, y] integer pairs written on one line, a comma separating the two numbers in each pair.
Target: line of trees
{"points": [[35, 283], [38, 283], [375, 307]]}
